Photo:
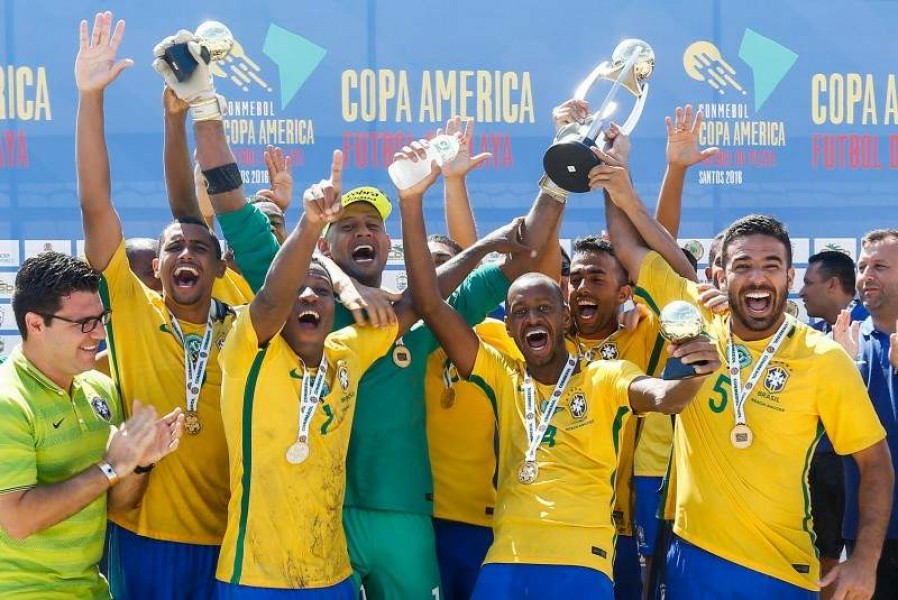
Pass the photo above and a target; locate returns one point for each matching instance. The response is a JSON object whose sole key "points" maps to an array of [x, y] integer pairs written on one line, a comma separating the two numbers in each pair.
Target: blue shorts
{"points": [[461, 549], [141, 567], [344, 590], [695, 574], [627, 569], [648, 496], [500, 580]]}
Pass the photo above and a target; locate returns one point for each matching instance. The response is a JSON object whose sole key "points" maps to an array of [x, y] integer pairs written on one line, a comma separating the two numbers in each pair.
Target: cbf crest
{"points": [[578, 406], [776, 379], [608, 351], [101, 407], [343, 375]]}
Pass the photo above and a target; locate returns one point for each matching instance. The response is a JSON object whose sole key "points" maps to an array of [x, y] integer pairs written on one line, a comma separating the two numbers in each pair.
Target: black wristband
{"points": [[225, 178], [141, 470]]}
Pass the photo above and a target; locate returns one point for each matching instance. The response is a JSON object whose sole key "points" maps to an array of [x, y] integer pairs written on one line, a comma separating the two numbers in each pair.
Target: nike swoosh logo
{"points": [[58, 423], [295, 375]]}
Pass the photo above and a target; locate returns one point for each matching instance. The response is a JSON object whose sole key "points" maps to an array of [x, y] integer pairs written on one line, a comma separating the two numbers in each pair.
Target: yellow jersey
{"points": [[644, 347], [461, 436], [232, 289], [752, 506], [187, 494], [564, 516], [285, 527]]}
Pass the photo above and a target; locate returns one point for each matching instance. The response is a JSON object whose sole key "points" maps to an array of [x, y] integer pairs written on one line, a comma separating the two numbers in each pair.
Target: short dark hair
{"points": [[44, 280], [757, 225], [446, 241], [598, 244], [878, 235], [565, 263], [835, 264], [319, 265], [190, 221]]}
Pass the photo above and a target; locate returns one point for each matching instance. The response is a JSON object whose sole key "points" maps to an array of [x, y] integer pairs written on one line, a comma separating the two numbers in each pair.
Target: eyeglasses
{"points": [[88, 324]]}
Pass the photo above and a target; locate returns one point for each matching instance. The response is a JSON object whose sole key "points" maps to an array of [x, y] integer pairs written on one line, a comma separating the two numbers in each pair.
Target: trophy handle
{"points": [[631, 121], [622, 73]]}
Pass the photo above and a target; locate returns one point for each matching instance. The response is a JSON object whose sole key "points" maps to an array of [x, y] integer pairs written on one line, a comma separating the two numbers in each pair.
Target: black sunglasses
{"points": [[88, 324]]}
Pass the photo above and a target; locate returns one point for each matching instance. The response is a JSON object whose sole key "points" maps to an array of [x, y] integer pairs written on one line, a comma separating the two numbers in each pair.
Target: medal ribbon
{"points": [[535, 434], [194, 370], [740, 394], [308, 399]]}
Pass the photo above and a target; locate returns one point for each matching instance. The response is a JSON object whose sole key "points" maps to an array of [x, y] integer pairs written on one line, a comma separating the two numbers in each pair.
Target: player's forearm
{"points": [[179, 181], [43, 506], [422, 277], [539, 224], [91, 155], [658, 395], [272, 305], [459, 216], [212, 151], [874, 502], [670, 199]]}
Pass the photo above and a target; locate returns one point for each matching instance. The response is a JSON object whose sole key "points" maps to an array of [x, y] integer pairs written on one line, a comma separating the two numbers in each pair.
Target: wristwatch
{"points": [[109, 472]]}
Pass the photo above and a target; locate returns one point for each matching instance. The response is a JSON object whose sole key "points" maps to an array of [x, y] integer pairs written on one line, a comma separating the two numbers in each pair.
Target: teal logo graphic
{"points": [[769, 62], [296, 59]]}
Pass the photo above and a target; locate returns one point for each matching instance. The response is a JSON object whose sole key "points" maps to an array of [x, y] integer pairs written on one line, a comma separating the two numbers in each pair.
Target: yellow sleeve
{"points": [[612, 378], [659, 285], [490, 373], [845, 408], [232, 289], [368, 343], [241, 345], [121, 285]]}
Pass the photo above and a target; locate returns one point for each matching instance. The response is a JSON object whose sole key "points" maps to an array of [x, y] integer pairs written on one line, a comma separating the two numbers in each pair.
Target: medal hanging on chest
{"points": [[402, 356], [741, 436], [194, 371], [529, 470], [309, 399]]}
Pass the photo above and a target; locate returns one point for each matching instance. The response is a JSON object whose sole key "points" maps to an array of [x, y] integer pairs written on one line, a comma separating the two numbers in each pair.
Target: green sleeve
{"points": [[248, 233]]}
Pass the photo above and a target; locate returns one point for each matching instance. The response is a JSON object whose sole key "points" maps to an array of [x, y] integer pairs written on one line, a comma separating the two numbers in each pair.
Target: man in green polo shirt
{"points": [[64, 459]]}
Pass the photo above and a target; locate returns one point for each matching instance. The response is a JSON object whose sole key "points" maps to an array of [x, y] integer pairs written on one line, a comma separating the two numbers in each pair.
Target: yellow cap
{"points": [[372, 196]]}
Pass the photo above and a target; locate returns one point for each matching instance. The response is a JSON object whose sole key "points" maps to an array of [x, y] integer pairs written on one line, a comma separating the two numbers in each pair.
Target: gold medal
{"points": [[448, 399], [528, 472], [192, 423], [402, 358], [297, 453], [741, 436]]}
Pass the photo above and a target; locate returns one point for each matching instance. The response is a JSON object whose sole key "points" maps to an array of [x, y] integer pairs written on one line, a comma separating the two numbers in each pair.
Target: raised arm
{"points": [[454, 334], [95, 68], [272, 306], [632, 229], [179, 176], [648, 394], [682, 152], [459, 217]]}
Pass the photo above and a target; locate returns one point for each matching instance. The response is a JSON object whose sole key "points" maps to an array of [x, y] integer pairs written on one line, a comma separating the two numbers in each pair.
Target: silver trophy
{"points": [[680, 322], [216, 41], [568, 161]]}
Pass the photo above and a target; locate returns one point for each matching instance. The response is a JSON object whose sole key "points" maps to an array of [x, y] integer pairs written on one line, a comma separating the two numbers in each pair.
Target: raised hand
{"points": [[376, 302], [173, 106], [712, 298], [682, 138], [612, 175], [463, 162], [617, 144], [700, 352], [322, 200], [845, 332], [508, 239], [96, 66], [280, 176], [570, 111], [414, 152]]}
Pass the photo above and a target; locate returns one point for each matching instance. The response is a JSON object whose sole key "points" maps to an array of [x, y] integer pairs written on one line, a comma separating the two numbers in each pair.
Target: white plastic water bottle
{"points": [[407, 173]]}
